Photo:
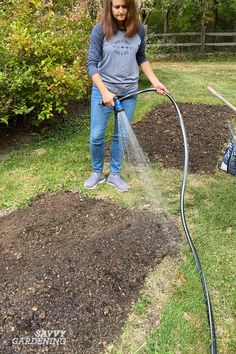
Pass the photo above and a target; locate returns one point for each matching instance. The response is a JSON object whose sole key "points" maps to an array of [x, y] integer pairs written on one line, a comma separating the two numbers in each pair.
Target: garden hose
{"points": [[213, 346]]}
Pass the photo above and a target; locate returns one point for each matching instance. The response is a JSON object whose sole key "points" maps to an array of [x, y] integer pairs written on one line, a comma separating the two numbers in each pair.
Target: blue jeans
{"points": [[99, 118]]}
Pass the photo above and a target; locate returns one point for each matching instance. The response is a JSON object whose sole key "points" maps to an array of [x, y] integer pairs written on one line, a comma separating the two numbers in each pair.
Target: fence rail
{"points": [[202, 43]]}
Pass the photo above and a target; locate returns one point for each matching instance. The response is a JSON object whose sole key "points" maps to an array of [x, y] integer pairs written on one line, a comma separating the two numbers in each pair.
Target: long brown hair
{"points": [[109, 24]]}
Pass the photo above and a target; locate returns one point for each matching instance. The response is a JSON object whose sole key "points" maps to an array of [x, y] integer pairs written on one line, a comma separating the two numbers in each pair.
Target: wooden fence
{"points": [[204, 40]]}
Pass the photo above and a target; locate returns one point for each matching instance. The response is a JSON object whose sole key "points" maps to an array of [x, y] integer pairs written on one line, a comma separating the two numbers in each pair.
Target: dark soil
{"points": [[160, 136], [77, 265]]}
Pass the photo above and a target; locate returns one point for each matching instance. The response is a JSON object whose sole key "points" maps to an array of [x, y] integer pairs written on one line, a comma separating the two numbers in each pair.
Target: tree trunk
{"points": [[234, 38], [215, 19], [146, 17], [166, 20]]}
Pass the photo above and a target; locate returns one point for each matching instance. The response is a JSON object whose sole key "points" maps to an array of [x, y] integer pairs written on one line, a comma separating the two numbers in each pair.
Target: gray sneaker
{"points": [[115, 180], [93, 180]]}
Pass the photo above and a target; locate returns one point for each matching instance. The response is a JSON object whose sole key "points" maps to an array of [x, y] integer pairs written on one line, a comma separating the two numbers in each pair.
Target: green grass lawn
{"points": [[60, 159]]}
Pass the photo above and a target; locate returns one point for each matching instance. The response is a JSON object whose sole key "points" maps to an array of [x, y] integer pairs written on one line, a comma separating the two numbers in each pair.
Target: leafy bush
{"points": [[42, 58]]}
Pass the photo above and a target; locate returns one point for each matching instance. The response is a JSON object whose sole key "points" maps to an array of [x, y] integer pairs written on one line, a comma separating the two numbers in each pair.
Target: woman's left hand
{"points": [[161, 89]]}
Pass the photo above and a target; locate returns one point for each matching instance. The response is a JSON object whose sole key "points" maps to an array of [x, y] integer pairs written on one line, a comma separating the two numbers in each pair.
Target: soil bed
{"points": [[160, 136], [77, 265], [74, 264]]}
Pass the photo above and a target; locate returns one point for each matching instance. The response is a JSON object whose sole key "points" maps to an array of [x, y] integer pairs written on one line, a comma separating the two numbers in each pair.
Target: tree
{"points": [[145, 8], [189, 15], [166, 8], [169, 6], [206, 10]]}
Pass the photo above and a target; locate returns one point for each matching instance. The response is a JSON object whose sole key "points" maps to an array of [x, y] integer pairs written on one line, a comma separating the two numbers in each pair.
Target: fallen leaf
{"points": [[180, 277]]}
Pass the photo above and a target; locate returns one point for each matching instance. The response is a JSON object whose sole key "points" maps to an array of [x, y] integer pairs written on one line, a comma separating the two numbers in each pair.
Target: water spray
{"points": [[118, 108]]}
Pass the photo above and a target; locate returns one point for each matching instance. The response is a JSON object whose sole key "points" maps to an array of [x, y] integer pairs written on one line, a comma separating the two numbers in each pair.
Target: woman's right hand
{"points": [[108, 98]]}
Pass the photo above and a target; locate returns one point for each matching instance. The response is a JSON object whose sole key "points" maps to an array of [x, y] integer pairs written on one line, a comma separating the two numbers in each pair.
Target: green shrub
{"points": [[42, 59]]}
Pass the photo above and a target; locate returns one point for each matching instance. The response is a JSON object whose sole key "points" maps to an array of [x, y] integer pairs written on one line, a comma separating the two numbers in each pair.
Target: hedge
{"points": [[42, 59]]}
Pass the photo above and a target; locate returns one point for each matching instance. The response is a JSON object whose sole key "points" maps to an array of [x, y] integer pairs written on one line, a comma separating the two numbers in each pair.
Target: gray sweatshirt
{"points": [[117, 60]]}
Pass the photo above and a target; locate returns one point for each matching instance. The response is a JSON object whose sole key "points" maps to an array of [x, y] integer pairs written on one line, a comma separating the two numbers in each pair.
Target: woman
{"points": [[117, 50]]}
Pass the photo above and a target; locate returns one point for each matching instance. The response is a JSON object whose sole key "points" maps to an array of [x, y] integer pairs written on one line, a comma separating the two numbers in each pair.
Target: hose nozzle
{"points": [[118, 107]]}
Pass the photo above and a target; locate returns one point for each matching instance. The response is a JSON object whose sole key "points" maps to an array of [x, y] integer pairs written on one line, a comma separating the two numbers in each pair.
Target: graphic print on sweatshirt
{"points": [[122, 47]]}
